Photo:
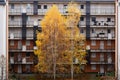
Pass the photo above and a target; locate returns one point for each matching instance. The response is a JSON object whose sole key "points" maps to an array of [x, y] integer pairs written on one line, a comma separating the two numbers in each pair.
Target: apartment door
{"points": [[109, 58], [19, 69], [19, 45], [101, 56], [101, 44], [101, 68]]}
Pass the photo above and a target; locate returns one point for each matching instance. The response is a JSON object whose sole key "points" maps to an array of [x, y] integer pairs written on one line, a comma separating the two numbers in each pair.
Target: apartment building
{"points": [[97, 23]]}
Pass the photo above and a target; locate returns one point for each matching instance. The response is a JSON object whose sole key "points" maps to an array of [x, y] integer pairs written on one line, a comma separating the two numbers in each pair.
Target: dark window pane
{"points": [[93, 31], [39, 6], [12, 18], [27, 54], [81, 18], [109, 31], [82, 6], [108, 19], [11, 54], [45, 6], [93, 19], [12, 6], [81, 30]]}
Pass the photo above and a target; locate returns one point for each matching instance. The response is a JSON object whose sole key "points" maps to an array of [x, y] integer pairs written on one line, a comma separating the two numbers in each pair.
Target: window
{"points": [[65, 6], [93, 43], [109, 43], [28, 43], [11, 54], [109, 67], [28, 54], [108, 19], [45, 6], [93, 30], [12, 6], [81, 18], [39, 6], [93, 67], [39, 19], [11, 43], [93, 55], [81, 30], [28, 18], [109, 31], [12, 18], [28, 6], [93, 19], [28, 68], [82, 6]]}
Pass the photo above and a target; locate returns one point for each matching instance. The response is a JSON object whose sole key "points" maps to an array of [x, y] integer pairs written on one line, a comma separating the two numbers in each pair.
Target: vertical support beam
{"points": [[88, 29], [88, 20], [117, 52], [35, 27], [34, 32], [24, 21], [35, 7]]}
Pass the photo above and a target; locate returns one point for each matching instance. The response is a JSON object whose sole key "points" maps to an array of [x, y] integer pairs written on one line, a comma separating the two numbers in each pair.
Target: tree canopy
{"points": [[60, 41]]}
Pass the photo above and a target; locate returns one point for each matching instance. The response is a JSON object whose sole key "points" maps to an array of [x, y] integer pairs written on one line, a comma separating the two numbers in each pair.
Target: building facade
{"points": [[97, 23]]}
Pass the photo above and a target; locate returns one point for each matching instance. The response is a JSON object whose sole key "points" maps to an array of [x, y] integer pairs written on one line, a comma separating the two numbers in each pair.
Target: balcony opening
{"points": [[108, 19], [81, 18], [45, 6], [39, 6], [12, 6], [81, 6]]}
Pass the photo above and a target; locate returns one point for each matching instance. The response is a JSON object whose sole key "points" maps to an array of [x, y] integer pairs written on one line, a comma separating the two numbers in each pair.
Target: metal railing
{"points": [[102, 11], [18, 11]]}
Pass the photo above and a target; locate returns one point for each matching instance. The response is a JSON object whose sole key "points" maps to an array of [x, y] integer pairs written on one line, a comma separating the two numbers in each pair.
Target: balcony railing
{"points": [[21, 60], [18, 11], [19, 23], [15, 24], [29, 35], [103, 50], [22, 49], [102, 11], [27, 61], [42, 11], [101, 62], [15, 35], [102, 36], [98, 24]]}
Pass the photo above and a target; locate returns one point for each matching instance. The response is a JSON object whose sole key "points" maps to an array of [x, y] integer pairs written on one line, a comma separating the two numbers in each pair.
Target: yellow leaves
{"points": [[55, 39], [73, 14]]}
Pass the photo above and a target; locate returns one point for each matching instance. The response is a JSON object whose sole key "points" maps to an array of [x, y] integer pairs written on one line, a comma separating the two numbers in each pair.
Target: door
{"points": [[101, 56], [101, 44], [101, 68], [19, 69], [19, 45]]}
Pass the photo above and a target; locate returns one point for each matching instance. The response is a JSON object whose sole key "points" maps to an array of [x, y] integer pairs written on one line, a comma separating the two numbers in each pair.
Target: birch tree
{"points": [[60, 41]]}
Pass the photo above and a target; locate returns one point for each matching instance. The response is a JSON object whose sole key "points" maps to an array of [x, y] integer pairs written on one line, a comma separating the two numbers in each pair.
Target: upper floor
{"points": [[96, 8]]}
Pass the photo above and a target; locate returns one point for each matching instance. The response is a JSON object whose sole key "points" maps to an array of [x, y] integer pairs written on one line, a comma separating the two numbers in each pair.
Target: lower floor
{"points": [[80, 76], [98, 68]]}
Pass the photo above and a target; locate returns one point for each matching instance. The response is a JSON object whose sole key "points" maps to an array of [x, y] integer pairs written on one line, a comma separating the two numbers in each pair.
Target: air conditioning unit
{"points": [[35, 47], [88, 47], [76, 61], [101, 34], [109, 60], [12, 60], [11, 36], [24, 48], [109, 36], [24, 60]]}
